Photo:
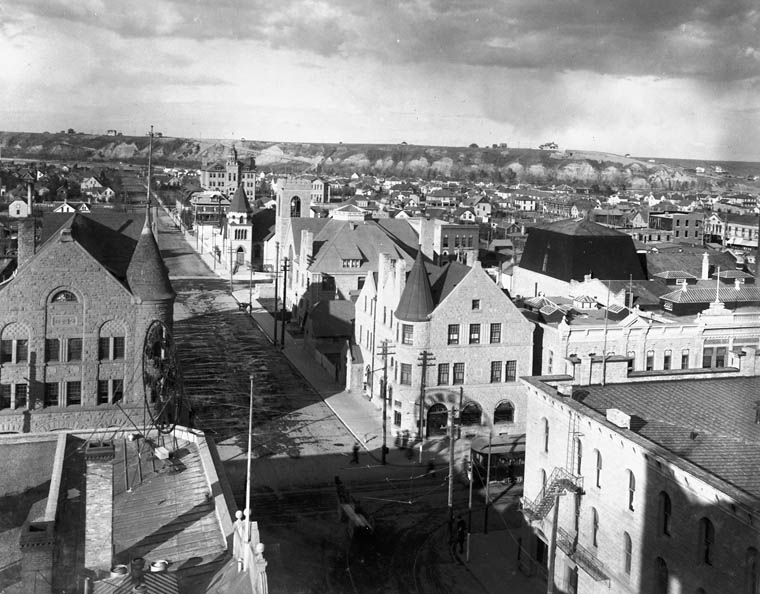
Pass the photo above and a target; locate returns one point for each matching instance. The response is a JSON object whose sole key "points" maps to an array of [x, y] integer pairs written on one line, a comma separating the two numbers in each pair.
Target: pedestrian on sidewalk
{"points": [[355, 454], [461, 532]]}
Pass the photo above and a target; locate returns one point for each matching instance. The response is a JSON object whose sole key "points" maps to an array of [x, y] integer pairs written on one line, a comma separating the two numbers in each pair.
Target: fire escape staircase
{"points": [[561, 481]]}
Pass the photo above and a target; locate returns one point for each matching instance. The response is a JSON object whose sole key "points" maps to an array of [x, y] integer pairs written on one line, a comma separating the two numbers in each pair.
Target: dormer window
{"points": [[351, 263]]}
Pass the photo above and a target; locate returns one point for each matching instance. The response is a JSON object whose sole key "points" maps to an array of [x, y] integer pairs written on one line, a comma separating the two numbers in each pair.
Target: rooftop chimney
{"points": [[705, 266], [98, 530]]}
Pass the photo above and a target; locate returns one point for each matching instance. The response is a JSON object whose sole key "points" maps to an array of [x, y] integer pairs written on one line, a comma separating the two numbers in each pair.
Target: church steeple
{"points": [[416, 302]]}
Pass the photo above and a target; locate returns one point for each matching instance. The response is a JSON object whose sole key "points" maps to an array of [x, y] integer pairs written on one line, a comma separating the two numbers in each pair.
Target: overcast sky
{"points": [[676, 78]]}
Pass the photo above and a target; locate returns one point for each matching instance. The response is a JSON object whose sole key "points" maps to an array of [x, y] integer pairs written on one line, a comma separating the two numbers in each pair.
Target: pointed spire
{"points": [[147, 275], [239, 201], [416, 302]]}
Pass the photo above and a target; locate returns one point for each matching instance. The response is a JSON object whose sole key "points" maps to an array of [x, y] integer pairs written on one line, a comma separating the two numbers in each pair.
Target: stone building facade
{"points": [[628, 488], [226, 176], [74, 321], [477, 344]]}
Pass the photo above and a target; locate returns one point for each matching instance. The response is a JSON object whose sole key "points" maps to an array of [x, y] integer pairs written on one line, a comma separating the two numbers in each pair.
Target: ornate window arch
{"points": [[471, 414]]}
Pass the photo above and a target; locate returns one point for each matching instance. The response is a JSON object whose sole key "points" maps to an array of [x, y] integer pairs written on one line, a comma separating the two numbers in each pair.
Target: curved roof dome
{"points": [[147, 275]]}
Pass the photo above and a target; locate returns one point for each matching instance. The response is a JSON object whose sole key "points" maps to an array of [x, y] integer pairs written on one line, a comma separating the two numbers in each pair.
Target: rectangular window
{"points": [[445, 242], [117, 389], [650, 360], [476, 304], [22, 350], [397, 418], [666, 360], [73, 393], [52, 350], [5, 396], [453, 333], [495, 372], [406, 374], [474, 333], [51, 394], [458, 373], [118, 347], [496, 333], [6, 351], [22, 391], [407, 334], [74, 350], [103, 393], [443, 374], [511, 373], [104, 348], [720, 357], [685, 359]]}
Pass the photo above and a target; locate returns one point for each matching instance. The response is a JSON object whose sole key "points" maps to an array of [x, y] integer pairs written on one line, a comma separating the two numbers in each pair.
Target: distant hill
{"points": [[500, 165]]}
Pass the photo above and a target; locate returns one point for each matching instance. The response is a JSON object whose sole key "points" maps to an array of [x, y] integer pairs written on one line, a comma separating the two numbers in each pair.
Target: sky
{"points": [[668, 78]]}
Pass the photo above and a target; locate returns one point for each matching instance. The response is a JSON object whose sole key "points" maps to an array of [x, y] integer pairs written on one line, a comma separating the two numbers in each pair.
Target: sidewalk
{"points": [[493, 566]]}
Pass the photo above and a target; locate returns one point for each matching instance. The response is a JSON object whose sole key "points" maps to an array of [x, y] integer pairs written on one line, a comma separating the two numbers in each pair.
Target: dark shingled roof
{"points": [[416, 302], [569, 250], [110, 237], [708, 422], [147, 275], [239, 201]]}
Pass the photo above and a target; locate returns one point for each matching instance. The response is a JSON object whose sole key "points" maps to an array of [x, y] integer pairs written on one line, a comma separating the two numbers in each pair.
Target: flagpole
{"points": [[248, 470]]}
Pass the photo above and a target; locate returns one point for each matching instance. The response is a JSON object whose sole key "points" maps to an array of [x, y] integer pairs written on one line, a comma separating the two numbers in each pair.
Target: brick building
{"points": [[74, 321], [477, 344], [644, 483], [226, 176]]}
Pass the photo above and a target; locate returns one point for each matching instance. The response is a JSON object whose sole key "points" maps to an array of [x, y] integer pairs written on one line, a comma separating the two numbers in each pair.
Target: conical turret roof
{"points": [[239, 201], [147, 275], [416, 302]]}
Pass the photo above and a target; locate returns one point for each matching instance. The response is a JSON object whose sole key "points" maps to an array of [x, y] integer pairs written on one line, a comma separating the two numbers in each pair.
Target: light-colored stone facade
{"points": [[638, 520], [459, 376]]}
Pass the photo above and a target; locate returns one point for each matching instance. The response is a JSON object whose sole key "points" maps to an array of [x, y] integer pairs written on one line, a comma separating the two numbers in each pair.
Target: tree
{"points": [[474, 145]]}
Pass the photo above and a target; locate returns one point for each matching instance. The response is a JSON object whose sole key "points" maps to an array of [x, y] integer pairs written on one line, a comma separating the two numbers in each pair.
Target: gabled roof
{"points": [[416, 302], [239, 201]]}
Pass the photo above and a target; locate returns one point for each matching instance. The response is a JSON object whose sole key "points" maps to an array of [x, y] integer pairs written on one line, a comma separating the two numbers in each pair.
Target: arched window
{"points": [[751, 572], [578, 456], [665, 513], [546, 435], [594, 527], [627, 553], [631, 489], [63, 297], [598, 468], [706, 541], [661, 577], [295, 207], [504, 413], [471, 414]]}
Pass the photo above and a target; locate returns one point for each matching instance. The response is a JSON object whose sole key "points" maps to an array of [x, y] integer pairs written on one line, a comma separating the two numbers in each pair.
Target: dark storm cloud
{"points": [[706, 39]]}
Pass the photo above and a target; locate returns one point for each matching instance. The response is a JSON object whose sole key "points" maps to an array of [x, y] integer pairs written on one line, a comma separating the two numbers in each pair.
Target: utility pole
{"points": [[488, 483], [384, 352], [231, 268], [276, 278], [248, 468], [553, 547], [425, 358], [469, 501], [284, 294], [452, 420]]}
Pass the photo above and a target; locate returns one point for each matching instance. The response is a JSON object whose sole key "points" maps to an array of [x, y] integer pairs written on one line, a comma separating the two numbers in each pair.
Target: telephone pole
{"points": [[384, 352], [276, 289], [452, 428], [424, 360], [285, 264]]}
